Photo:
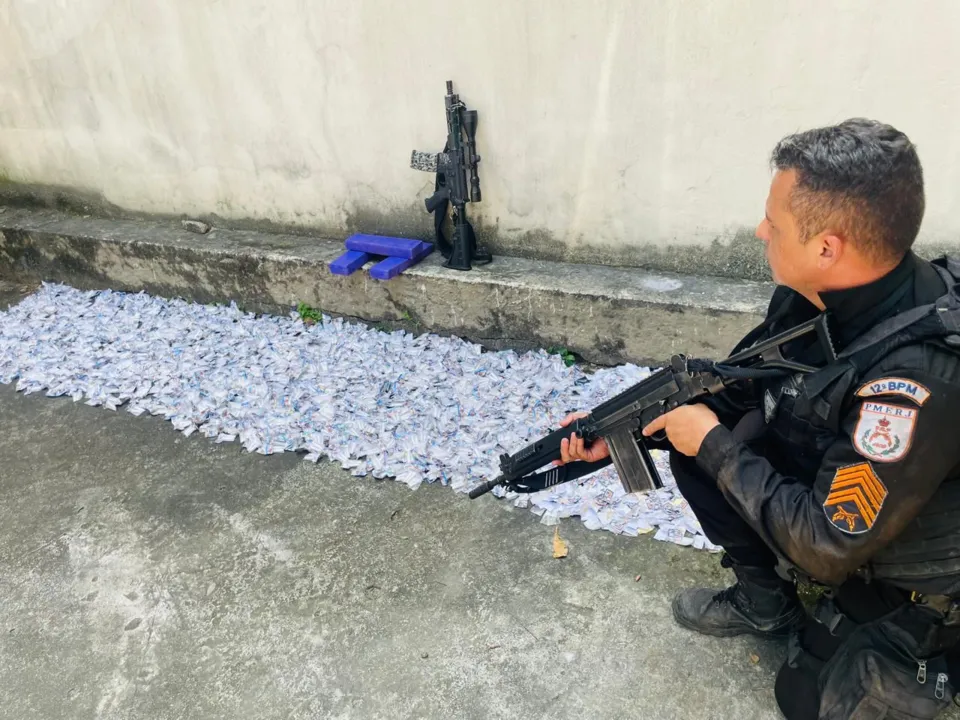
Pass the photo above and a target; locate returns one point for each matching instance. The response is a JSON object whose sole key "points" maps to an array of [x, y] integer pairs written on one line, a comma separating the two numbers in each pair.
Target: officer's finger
{"points": [[564, 452], [571, 417], [583, 452], [597, 451], [658, 424], [576, 447]]}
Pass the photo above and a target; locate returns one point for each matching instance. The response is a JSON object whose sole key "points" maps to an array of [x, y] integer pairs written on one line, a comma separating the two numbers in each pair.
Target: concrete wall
{"points": [[620, 131]]}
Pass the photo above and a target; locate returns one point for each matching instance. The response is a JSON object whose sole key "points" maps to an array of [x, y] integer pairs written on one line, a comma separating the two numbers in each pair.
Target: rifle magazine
{"points": [[633, 462]]}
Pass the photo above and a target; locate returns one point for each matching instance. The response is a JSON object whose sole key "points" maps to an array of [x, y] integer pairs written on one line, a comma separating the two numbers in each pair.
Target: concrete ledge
{"points": [[606, 315]]}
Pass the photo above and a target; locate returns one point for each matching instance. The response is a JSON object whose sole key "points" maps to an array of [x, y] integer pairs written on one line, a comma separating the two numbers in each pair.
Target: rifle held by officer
{"points": [[452, 166], [620, 420]]}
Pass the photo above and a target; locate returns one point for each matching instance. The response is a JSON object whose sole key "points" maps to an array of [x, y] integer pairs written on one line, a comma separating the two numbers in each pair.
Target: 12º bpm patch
{"points": [[884, 432], [896, 386]]}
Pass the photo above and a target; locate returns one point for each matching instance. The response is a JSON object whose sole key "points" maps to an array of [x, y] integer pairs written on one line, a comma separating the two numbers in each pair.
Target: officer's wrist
{"points": [[714, 449]]}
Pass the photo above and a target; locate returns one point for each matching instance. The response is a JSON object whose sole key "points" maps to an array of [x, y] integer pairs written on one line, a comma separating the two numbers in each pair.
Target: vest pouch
{"points": [[798, 434], [877, 673]]}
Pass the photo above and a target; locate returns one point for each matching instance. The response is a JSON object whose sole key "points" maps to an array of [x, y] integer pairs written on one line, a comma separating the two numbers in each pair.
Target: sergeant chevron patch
{"points": [[855, 498]]}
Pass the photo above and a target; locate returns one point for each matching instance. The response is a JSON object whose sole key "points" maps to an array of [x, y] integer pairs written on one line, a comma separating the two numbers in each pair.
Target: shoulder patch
{"points": [[884, 432], [896, 386], [855, 498]]}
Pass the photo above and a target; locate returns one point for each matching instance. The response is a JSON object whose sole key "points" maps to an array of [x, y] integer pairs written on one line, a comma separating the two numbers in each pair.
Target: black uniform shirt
{"points": [[829, 501]]}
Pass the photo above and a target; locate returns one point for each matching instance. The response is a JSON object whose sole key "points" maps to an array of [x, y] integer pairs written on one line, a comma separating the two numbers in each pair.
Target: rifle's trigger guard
{"points": [[659, 436]]}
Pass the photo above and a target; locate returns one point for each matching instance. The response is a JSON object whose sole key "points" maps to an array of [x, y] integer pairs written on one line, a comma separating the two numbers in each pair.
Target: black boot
{"points": [[760, 603]]}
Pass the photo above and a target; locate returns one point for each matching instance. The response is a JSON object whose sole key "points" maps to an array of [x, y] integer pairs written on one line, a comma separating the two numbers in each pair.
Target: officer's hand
{"points": [[686, 427], [574, 448]]}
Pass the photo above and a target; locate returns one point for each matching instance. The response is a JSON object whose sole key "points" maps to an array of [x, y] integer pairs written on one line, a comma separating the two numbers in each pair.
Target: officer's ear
{"points": [[832, 247]]}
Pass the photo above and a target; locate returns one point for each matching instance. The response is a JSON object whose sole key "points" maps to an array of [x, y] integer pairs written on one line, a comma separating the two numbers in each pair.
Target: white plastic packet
{"points": [[418, 409]]}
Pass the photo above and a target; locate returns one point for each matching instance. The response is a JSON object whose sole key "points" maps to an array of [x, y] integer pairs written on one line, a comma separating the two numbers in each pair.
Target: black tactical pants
{"points": [[720, 522], [858, 657]]}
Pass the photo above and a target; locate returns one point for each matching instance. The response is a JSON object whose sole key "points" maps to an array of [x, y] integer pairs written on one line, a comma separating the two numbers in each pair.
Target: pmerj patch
{"points": [[884, 432], [896, 386]]}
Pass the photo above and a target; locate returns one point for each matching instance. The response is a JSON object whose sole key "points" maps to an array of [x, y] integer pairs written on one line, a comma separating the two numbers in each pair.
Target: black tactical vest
{"points": [[804, 413]]}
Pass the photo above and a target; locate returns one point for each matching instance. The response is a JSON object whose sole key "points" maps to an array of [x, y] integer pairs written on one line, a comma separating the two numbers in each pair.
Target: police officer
{"points": [[847, 477]]}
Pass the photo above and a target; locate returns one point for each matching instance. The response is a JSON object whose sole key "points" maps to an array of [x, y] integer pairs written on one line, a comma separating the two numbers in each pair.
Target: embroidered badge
{"points": [[884, 432], [769, 406], [896, 386], [855, 498]]}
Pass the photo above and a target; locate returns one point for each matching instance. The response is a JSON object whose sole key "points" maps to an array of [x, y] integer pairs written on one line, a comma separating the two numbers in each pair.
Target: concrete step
{"points": [[607, 315]]}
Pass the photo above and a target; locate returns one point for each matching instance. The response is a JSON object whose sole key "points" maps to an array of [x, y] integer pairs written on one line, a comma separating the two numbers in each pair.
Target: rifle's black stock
{"points": [[452, 166], [620, 419]]}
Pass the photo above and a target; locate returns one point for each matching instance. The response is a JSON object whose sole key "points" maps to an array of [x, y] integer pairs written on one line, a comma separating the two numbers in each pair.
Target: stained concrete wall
{"points": [[630, 132]]}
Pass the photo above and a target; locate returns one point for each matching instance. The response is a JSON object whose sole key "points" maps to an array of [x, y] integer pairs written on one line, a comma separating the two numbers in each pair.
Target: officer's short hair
{"points": [[860, 177]]}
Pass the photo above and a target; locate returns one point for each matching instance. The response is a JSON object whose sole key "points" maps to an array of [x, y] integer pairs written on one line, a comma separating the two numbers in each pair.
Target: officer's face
{"points": [[792, 262]]}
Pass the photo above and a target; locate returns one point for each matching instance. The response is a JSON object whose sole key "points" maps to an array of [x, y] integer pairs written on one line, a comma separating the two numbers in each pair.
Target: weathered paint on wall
{"points": [[623, 131]]}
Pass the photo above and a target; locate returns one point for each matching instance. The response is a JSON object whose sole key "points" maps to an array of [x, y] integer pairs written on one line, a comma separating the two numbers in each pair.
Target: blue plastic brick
{"points": [[393, 266], [388, 246], [348, 262]]}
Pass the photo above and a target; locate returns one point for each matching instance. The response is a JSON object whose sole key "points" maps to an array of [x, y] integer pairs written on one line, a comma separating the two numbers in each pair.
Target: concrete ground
{"points": [[146, 575]]}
